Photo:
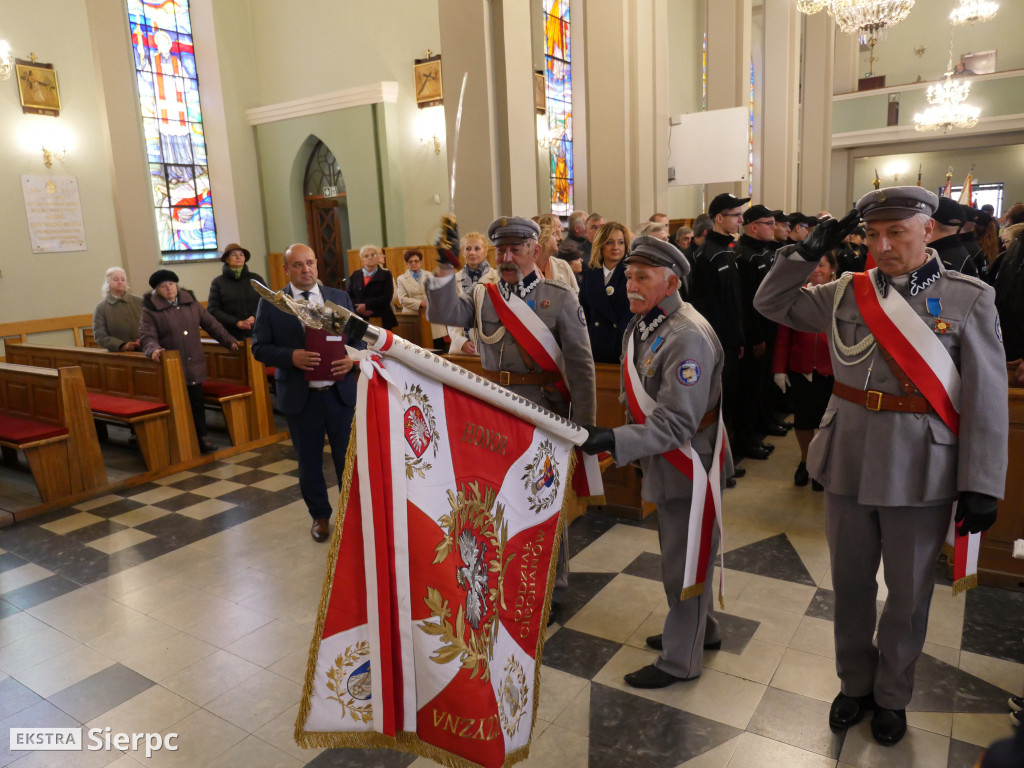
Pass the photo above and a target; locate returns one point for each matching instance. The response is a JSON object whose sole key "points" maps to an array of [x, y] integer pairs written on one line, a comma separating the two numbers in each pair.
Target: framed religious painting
{"points": [[37, 86], [427, 81]]}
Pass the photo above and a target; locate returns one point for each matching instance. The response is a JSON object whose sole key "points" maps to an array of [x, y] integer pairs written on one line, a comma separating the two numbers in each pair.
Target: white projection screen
{"points": [[709, 147]]}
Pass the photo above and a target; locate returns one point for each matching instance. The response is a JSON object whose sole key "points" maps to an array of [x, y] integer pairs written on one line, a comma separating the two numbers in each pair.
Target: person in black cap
{"points": [[852, 254], [716, 293], [672, 352], [754, 253], [799, 227], [233, 300], [171, 319], [945, 237], [975, 223], [908, 340]]}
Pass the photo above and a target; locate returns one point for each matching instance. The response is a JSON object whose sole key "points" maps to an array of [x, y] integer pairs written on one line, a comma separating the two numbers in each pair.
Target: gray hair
{"points": [[367, 248], [105, 290], [650, 227]]}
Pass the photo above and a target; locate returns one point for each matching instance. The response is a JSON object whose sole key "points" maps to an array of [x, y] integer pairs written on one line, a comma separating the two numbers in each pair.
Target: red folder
{"points": [[330, 347]]}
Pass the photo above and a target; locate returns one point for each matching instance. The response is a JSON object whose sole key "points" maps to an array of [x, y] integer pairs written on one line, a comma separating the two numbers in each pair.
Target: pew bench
{"points": [[44, 413], [130, 390], [237, 385]]}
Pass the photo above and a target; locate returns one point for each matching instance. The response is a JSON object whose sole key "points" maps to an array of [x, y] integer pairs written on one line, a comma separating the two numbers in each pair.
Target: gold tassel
{"points": [[692, 591], [967, 582]]}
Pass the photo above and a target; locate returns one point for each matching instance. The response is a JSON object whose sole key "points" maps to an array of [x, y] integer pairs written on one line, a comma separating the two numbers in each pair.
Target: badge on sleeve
{"points": [[688, 373], [583, 318]]}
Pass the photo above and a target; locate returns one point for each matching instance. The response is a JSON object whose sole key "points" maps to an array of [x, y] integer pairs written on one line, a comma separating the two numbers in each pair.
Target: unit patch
{"points": [[688, 373]]}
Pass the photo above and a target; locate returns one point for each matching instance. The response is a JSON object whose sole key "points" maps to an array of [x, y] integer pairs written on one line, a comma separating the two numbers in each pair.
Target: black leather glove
{"points": [[977, 511], [827, 235], [598, 439], [448, 242], [355, 327]]}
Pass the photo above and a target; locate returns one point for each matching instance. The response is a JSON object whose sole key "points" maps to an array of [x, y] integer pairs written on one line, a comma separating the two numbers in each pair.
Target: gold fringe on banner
{"points": [[967, 582]]}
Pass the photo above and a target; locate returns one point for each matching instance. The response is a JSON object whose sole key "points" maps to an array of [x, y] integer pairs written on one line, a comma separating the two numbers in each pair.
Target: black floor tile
{"points": [[9, 560], [823, 605], [361, 758], [116, 508], [629, 731], [256, 498], [101, 692], [736, 631], [138, 490], [940, 687], [95, 531], [992, 625], [95, 565], [588, 528], [191, 483], [40, 591], [15, 697], [963, 755], [239, 514], [252, 476], [179, 502], [647, 565], [582, 588], [578, 653], [6, 609], [774, 557]]}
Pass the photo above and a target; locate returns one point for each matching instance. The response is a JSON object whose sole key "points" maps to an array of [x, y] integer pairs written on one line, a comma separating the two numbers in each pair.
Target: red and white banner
{"points": [[927, 363], [706, 496], [430, 627]]}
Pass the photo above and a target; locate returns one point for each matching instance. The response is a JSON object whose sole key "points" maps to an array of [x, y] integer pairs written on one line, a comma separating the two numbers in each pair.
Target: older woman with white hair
{"points": [[115, 321]]}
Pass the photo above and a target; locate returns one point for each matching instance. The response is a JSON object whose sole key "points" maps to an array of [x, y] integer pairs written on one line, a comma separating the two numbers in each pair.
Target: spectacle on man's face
{"points": [[730, 221]]}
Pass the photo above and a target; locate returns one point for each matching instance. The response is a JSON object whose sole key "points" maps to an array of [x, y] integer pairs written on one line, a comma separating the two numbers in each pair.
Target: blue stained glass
{"points": [[169, 101], [558, 102]]}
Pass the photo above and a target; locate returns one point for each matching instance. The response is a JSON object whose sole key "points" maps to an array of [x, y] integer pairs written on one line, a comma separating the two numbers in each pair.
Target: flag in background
{"points": [[967, 193], [947, 190], [430, 627]]}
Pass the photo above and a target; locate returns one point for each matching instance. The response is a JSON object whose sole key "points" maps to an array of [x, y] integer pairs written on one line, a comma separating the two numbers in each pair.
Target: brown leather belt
{"points": [[873, 400], [532, 378], [709, 418]]}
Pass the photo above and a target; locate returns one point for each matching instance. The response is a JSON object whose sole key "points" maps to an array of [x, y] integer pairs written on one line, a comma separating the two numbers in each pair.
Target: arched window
{"points": [[558, 101], [165, 71], [322, 173]]}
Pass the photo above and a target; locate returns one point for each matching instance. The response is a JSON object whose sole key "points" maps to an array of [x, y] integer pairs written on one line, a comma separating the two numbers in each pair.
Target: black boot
{"points": [[801, 477]]}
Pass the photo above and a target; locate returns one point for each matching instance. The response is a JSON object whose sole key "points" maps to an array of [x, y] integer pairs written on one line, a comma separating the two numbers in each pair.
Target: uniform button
{"points": [[186, 333], [597, 324]]}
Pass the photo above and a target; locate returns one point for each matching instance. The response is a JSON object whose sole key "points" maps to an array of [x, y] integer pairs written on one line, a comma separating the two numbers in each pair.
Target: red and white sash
{"points": [[706, 498], [539, 343], [918, 351]]}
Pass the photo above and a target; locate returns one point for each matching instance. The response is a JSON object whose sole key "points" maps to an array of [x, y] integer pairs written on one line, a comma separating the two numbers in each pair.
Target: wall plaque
{"points": [[54, 213]]}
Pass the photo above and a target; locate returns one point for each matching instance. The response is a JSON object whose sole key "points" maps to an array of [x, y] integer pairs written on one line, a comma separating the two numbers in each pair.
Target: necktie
{"points": [[305, 295]]}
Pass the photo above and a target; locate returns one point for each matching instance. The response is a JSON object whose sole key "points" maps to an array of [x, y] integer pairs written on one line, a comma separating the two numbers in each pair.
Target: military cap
{"points": [[860, 231], [512, 230], [162, 276], [725, 202], [755, 212], [983, 220], [890, 203], [779, 216], [796, 218], [971, 213], [657, 253], [949, 212], [234, 247]]}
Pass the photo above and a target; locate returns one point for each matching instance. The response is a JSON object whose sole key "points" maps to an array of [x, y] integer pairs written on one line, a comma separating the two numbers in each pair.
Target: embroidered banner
{"points": [[430, 627]]}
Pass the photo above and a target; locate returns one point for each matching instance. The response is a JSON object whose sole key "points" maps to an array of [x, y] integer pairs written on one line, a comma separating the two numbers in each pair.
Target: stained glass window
{"points": [[172, 122], [558, 100]]}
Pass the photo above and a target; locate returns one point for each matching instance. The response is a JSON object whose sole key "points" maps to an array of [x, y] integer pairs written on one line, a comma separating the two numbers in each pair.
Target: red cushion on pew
{"points": [[223, 389], [270, 370], [15, 430], [124, 407]]}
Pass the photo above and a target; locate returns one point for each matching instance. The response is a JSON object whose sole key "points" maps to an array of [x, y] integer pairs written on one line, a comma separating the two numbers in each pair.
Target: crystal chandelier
{"points": [[867, 18], [971, 11], [947, 110]]}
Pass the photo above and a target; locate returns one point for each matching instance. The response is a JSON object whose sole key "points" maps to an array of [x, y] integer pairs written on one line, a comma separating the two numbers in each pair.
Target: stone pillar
{"points": [[781, 105], [816, 114]]}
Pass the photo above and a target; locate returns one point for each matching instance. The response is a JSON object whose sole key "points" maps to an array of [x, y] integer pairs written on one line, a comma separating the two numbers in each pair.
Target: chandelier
{"points": [[867, 18], [947, 110], [971, 11]]}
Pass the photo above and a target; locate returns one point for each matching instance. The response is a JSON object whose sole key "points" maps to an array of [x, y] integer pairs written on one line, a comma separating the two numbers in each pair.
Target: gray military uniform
{"points": [[560, 311], [891, 476], [683, 342]]}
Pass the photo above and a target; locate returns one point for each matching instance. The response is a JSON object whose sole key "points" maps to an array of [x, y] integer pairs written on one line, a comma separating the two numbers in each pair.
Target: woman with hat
{"points": [[603, 294], [233, 300], [172, 319]]}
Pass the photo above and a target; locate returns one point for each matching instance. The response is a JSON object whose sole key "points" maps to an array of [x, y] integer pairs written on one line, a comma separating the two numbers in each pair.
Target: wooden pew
{"points": [[72, 327], [45, 413], [237, 384], [129, 389], [621, 484]]}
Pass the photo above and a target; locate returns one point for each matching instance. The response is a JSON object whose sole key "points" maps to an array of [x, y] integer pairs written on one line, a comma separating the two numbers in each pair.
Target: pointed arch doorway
{"points": [[326, 207]]}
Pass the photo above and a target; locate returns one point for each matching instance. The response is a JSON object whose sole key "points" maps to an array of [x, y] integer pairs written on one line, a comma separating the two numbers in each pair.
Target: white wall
{"points": [[686, 30]]}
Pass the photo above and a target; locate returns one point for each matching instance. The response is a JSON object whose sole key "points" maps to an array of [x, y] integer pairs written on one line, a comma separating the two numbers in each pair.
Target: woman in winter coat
{"points": [[233, 300], [171, 319]]}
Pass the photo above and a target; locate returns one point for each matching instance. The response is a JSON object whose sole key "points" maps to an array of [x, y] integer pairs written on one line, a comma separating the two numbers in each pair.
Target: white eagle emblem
{"points": [[473, 576]]}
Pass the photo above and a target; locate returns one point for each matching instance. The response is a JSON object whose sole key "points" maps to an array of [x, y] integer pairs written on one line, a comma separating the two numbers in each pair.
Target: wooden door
{"points": [[324, 227]]}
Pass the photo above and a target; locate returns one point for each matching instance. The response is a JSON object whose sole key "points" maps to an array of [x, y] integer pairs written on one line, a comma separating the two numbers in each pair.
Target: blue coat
{"points": [[607, 315], [277, 334]]}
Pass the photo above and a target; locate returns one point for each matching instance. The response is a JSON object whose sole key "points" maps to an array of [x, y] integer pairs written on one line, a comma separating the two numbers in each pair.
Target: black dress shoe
{"points": [[888, 726], [654, 641], [849, 710], [652, 677], [555, 614], [767, 446], [775, 430], [320, 529], [205, 447], [738, 472], [816, 486], [757, 452], [801, 476]]}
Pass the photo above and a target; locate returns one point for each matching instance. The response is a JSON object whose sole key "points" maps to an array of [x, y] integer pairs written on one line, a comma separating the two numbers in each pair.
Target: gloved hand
{"points": [[599, 439], [827, 235], [977, 511], [448, 242], [781, 381]]}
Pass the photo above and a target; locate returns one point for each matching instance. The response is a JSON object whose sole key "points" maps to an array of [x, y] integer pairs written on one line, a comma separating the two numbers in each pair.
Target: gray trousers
{"points": [[907, 540], [690, 623]]}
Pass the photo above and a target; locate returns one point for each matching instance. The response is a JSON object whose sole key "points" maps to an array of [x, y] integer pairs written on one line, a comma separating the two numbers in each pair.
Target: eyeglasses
{"points": [[734, 215]]}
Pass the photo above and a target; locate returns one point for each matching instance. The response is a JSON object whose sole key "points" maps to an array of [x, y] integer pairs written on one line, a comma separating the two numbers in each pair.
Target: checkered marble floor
{"points": [[187, 606]]}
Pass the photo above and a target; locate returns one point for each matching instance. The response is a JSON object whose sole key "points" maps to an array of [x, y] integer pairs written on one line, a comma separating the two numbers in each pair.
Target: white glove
{"points": [[781, 381]]}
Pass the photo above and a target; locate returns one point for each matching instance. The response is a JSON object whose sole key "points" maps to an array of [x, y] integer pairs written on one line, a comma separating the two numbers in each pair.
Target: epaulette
{"points": [[561, 286], [975, 281]]}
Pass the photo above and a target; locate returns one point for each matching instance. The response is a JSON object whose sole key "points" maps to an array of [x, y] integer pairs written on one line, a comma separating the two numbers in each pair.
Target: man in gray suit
{"points": [[918, 419], [677, 359]]}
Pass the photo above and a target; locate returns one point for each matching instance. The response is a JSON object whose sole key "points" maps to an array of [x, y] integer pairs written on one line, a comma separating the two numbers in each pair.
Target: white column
{"points": [[816, 114], [781, 106]]}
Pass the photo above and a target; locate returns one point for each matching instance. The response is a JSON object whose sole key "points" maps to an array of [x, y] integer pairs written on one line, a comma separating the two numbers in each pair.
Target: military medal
{"points": [[935, 309], [609, 289], [942, 326]]}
